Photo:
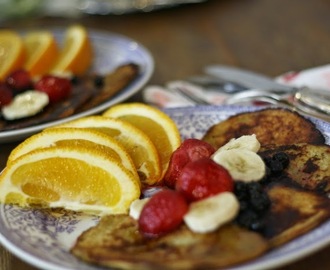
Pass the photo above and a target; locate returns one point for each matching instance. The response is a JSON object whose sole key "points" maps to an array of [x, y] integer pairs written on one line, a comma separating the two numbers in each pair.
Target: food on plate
{"points": [[35, 61], [12, 52], [160, 128], [83, 96], [308, 164], [75, 177], [76, 54], [190, 150], [75, 137], [139, 146], [276, 207], [272, 125], [117, 242], [41, 50]]}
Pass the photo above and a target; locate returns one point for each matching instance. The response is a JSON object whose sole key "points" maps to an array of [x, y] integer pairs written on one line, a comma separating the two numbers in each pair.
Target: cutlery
{"points": [[247, 78]]}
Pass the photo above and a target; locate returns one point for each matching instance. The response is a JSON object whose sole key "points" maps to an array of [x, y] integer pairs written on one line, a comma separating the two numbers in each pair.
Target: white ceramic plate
{"points": [[43, 239], [110, 51]]}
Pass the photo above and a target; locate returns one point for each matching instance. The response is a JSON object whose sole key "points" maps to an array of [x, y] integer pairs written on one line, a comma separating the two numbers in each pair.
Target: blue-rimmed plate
{"points": [[44, 238], [110, 51]]}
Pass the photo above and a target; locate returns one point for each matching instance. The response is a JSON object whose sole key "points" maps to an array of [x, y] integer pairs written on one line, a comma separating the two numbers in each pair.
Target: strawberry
{"points": [[189, 150], [203, 178], [56, 88], [162, 213], [19, 80], [6, 95]]}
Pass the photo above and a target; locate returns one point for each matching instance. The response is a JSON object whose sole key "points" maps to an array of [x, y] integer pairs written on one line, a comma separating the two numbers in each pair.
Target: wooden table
{"points": [[269, 36]]}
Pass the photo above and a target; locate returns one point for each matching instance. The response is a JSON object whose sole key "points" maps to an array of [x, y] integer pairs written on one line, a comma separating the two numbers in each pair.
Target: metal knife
{"points": [[247, 78]]}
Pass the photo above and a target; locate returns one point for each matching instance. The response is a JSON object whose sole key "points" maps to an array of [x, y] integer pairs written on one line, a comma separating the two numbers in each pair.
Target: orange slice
{"points": [[76, 54], [159, 127], [41, 52], [12, 53], [138, 145], [75, 137], [71, 177]]}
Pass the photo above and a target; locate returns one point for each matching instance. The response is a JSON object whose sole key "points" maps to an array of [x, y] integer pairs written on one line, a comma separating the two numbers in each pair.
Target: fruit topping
{"points": [[189, 150], [25, 104], [254, 202], [162, 213], [209, 214], [57, 88], [203, 178], [19, 80], [6, 95]]}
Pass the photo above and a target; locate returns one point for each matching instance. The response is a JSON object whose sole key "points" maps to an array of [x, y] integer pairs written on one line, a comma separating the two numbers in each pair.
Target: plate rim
{"points": [[18, 134]]}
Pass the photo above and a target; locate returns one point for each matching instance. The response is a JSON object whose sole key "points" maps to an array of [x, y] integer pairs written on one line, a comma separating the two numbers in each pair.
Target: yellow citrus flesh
{"points": [[160, 128], [76, 54], [75, 178], [12, 53], [41, 52], [138, 145], [75, 137]]}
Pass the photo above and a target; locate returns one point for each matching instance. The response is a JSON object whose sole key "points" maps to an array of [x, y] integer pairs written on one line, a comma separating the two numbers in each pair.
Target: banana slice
{"points": [[26, 104], [242, 164], [209, 214], [136, 208], [249, 142]]}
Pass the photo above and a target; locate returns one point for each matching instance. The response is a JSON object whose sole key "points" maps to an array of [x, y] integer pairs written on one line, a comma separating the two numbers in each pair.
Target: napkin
{"points": [[166, 96]]}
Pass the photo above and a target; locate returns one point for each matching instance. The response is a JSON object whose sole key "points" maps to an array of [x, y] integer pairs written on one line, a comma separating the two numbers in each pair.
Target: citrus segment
{"points": [[12, 53], [75, 137], [41, 52], [159, 127], [74, 178], [137, 143], [76, 53]]}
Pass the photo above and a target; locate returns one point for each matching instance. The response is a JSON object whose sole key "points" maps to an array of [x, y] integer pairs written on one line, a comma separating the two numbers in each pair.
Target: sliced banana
{"points": [[242, 164], [26, 104], [136, 207], [209, 214], [249, 142]]}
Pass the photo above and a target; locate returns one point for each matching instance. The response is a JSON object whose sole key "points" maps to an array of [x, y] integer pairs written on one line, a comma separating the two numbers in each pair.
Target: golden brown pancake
{"points": [[271, 126]]}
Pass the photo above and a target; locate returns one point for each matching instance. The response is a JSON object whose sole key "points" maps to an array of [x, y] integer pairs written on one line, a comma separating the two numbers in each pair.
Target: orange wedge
{"points": [[138, 145], [12, 53], [75, 137], [41, 52], [159, 127], [70, 177], [76, 54]]}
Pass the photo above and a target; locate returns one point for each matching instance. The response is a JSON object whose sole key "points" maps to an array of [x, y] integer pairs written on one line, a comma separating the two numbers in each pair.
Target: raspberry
{"points": [[189, 150], [162, 213], [203, 178], [55, 87], [19, 80], [6, 95]]}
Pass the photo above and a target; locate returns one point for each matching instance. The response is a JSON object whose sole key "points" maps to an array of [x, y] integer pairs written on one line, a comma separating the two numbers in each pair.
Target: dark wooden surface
{"points": [[268, 36]]}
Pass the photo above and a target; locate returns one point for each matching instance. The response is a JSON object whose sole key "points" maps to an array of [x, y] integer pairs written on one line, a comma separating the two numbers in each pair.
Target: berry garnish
{"points": [[203, 178], [6, 95], [189, 150], [19, 80], [56, 88], [162, 213]]}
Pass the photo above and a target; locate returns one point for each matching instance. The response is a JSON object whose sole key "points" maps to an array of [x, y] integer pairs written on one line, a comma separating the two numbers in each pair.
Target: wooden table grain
{"points": [[268, 36]]}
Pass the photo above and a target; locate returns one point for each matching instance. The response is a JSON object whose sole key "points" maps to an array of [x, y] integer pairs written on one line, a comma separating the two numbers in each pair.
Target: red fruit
{"points": [[203, 178], [162, 213], [55, 87], [19, 80], [6, 95], [189, 150]]}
